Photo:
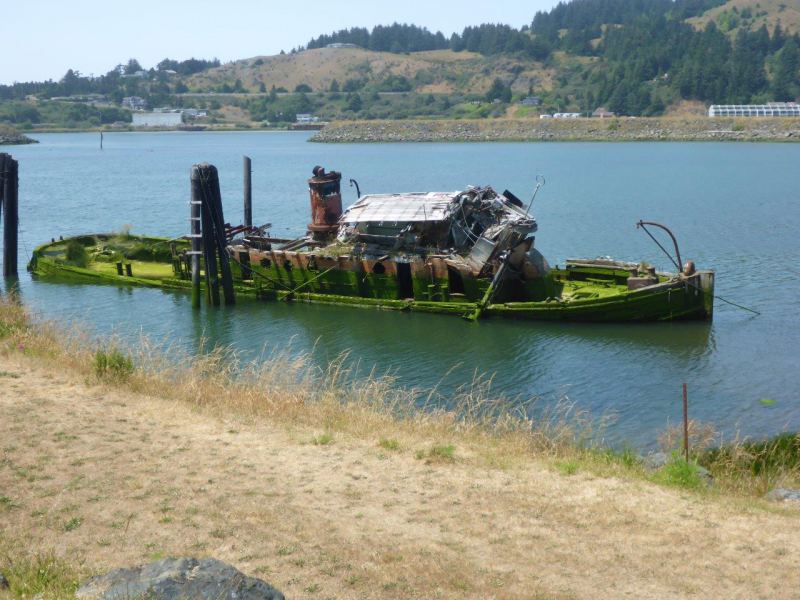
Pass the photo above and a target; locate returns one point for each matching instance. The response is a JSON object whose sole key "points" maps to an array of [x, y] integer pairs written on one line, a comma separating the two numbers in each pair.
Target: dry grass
{"points": [[446, 71], [328, 485], [290, 390], [785, 12]]}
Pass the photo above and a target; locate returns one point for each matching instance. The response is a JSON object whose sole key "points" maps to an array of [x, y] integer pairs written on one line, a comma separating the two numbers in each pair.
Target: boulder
{"points": [[178, 579], [655, 460], [783, 494]]}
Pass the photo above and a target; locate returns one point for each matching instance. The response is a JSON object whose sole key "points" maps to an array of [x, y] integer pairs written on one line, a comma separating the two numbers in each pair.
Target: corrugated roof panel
{"points": [[400, 208]]}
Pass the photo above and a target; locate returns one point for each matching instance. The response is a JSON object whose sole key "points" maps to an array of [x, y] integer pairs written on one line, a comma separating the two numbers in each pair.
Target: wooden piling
{"points": [[248, 192], [194, 234], [206, 192], [685, 423], [9, 209], [209, 245], [222, 244]]}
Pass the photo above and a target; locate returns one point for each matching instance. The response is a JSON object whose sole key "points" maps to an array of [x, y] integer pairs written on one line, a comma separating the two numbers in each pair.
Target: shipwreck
{"points": [[469, 253]]}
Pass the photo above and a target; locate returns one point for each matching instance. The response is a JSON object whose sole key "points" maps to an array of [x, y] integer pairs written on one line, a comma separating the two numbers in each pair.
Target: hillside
{"points": [[735, 14], [436, 71], [630, 57]]}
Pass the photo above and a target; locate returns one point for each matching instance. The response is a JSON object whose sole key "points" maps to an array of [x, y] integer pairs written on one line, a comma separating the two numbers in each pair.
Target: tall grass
{"points": [[292, 390]]}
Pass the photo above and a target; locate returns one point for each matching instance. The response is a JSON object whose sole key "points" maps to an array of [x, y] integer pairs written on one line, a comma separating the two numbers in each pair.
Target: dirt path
{"points": [[108, 479]]}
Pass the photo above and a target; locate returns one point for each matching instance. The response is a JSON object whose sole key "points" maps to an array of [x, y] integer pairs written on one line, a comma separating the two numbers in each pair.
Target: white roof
{"points": [[400, 208]]}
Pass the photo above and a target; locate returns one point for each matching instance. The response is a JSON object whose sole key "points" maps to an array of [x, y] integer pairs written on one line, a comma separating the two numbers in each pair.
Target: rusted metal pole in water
{"points": [[685, 424], [195, 236], [9, 196], [248, 192]]}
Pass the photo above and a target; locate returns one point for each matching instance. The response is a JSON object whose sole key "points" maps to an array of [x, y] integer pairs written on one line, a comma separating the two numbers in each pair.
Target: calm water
{"points": [[734, 208]]}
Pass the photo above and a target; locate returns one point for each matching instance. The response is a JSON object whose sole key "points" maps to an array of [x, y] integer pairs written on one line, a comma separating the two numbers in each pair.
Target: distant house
{"points": [[137, 74], [306, 118], [771, 109], [341, 45], [531, 101], [134, 103], [602, 113], [157, 119], [193, 113], [545, 116], [566, 115]]}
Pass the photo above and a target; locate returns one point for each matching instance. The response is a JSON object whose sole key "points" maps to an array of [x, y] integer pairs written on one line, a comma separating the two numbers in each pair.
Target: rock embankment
{"points": [[529, 130], [10, 136]]}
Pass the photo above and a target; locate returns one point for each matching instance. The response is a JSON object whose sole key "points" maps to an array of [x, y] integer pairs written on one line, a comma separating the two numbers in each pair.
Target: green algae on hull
{"points": [[580, 292]]}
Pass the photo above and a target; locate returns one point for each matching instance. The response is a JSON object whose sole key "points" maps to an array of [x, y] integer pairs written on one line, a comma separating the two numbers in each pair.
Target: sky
{"points": [[42, 39]]}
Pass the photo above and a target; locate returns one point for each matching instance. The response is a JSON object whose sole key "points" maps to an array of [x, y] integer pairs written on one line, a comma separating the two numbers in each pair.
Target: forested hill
{"points": [[634, 56]]}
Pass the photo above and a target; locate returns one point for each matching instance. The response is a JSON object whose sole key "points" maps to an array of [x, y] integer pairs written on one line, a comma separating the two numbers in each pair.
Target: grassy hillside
{"points": [[632, 57], [735, 14], [436, 71]]}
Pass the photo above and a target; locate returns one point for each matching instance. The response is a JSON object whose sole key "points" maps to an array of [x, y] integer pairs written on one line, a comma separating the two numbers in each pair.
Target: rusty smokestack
{"points": [[326, 203]]}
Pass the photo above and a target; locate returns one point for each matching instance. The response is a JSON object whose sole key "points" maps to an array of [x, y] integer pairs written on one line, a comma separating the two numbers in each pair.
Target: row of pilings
{"points": [[207, 233], [207, 227]]}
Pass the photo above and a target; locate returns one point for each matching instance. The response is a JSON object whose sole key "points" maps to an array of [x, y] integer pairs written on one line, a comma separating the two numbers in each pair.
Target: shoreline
{"points": [[12, 137], [116, 463], [623, 129]]}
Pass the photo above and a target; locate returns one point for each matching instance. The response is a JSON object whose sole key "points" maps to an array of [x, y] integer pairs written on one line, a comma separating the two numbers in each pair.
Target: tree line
{"points": [[116, 83], [647, 55]]}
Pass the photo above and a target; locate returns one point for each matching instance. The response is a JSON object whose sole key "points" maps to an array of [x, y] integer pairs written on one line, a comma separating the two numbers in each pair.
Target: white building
{"points": [[157, 119], [306, 118], [771, 109], [134, 103], [567, 115]]}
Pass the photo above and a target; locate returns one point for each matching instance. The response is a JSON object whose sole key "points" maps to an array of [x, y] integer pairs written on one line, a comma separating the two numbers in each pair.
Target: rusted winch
{"points": [[326, 203]]}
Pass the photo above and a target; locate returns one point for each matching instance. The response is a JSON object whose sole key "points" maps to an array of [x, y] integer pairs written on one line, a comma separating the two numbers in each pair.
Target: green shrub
{"points": [[389, 444], [679, 473], [438, 453], [323, 440], [568, 467], [76, 254], [149, 252], [86, 240], [112, 364]]}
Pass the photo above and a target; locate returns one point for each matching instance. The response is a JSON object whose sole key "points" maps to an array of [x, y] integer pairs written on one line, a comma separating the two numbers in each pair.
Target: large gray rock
{"points": [[178, 579], [655, 460], [782, 494]]}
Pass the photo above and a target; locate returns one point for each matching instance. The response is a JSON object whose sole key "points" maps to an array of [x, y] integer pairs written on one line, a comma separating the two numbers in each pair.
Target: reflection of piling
{"points": [[9, 211], [248, 192], [208, 232]]}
